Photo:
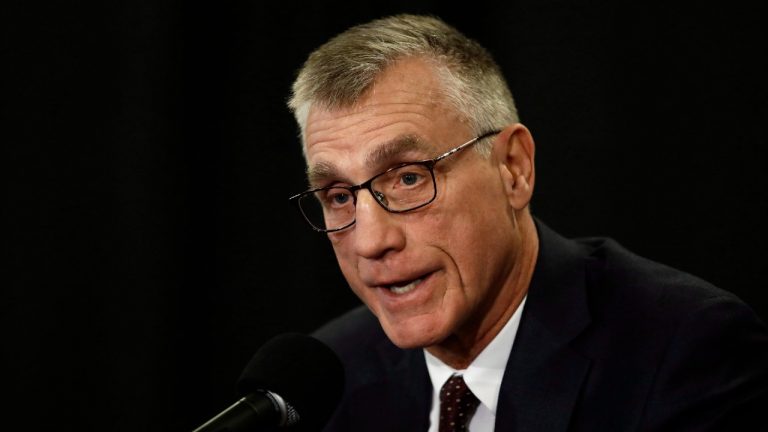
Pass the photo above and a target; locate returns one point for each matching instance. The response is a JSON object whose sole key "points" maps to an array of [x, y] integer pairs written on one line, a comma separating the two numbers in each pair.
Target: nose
{"points": [[377, 232]]}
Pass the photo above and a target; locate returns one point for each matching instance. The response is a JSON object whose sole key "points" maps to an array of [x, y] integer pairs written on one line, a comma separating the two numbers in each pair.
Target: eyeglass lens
{"points": [[399, 189]]}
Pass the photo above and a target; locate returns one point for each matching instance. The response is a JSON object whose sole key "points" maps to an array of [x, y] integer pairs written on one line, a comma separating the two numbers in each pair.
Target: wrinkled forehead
{"points": [[376, 158]]}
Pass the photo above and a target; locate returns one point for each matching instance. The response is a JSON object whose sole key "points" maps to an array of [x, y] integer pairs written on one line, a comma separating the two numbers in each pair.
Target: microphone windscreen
{"points": [[305, 372]]}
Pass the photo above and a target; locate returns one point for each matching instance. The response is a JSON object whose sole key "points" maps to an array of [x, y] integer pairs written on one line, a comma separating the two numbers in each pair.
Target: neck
{"points": [[459, 350]]}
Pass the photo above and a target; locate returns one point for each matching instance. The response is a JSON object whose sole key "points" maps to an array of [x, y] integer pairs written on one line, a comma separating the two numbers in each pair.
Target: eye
{"points": [[410, 179], [337, 197]]}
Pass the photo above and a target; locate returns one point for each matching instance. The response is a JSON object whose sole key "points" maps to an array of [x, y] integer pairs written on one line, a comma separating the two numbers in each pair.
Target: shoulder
{"points": [[620, 293], [379, 376], [679, 309], [708, 350], [656, 306], [361, 344], [351, 331], [621, 278]]}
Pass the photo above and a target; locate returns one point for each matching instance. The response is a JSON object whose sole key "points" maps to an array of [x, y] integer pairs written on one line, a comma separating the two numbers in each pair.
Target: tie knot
{"points": [[457, 404]]}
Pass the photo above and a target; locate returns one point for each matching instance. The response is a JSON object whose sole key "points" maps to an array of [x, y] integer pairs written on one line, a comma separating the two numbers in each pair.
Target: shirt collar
{"points": [[483, 376]]}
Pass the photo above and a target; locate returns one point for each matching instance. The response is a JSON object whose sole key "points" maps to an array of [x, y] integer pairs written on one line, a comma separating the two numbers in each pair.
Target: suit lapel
{"points": [[544, 374]]}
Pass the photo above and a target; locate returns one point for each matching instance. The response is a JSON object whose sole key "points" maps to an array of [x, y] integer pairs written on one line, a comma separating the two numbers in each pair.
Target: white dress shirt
{"points": [[483, 376]]}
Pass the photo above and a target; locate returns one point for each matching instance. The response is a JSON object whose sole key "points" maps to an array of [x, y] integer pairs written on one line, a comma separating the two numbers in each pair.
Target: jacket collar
{"points": [[544, 374]]}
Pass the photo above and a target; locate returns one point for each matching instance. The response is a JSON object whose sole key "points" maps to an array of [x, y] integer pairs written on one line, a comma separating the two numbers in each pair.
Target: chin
{"points": [[413, 333]]}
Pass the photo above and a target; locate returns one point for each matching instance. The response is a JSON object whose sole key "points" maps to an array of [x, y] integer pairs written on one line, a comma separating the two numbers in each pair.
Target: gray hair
{"points": [[338, 73]]}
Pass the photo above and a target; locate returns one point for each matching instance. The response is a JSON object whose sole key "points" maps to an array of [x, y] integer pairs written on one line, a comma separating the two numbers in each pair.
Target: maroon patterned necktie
{"points": [[457, 405]]}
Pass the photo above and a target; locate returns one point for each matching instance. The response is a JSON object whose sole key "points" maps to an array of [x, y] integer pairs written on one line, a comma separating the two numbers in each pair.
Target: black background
{"points": [[147, 155]]}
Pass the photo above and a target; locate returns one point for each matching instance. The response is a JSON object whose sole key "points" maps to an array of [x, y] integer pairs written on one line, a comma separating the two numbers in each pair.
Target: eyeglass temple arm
{"points": [[466, 144]]}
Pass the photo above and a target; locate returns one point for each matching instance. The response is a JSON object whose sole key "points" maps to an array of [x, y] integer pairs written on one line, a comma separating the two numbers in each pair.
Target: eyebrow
{"points": [[395, 148], [376, 158]]}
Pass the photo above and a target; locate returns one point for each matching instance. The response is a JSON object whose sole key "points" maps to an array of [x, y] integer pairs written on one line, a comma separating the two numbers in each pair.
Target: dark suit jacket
{"points": [[608, 341]]}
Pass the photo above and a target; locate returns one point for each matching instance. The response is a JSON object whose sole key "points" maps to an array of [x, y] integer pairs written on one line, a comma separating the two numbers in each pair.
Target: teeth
{"points": [[404, 289]]}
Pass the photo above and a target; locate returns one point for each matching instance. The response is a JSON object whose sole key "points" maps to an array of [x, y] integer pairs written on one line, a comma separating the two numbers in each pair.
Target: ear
{"points": [[514, 151]]}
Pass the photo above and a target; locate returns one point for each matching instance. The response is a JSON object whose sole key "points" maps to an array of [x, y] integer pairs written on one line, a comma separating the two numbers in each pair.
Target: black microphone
{"points": [[293, 379]]}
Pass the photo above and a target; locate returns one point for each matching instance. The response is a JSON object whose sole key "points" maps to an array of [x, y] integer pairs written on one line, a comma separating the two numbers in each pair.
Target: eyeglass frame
{"points": [[428, 163]]}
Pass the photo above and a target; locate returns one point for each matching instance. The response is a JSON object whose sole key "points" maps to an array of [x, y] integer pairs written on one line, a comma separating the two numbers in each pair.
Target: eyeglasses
{"points": [[402, 188]]}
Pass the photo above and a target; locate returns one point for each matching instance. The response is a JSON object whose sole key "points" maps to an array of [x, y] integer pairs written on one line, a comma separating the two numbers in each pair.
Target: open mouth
{"points": [[405, 288]]}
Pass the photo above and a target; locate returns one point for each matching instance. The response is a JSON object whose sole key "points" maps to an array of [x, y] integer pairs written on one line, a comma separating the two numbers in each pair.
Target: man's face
{"points": [[438, 271]]}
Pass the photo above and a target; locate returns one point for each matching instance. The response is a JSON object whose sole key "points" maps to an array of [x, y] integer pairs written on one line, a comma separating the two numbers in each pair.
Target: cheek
{"points": [[473, 218], [348, 265], [476, 231], [473, 193]]}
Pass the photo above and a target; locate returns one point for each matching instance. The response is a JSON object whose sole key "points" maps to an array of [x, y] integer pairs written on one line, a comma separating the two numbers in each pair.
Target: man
{"points": [[421, 175]]}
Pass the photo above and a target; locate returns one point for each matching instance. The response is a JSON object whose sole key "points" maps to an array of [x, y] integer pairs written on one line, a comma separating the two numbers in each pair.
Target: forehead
{"points": [[403, 112]]}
